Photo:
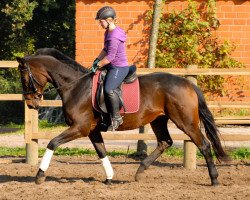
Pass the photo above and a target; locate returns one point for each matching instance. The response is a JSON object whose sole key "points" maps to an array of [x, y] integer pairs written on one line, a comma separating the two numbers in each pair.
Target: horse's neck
{"points": [[62, 75]]}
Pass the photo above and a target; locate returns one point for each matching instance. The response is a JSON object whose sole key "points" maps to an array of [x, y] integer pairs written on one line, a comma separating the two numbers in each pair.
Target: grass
{"points": [[238, 153], [231, 112], [43, 126], [12, 128]]}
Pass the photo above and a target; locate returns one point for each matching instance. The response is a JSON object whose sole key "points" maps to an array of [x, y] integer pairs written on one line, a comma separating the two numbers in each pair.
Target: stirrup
{"points": [[104, 126], [115, 123]]}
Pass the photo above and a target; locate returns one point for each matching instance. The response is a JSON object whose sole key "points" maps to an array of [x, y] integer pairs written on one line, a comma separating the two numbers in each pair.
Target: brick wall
{"points": [[234, 17], [131, 17]]}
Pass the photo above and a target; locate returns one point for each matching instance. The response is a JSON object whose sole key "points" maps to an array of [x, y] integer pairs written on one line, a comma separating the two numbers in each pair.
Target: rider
{"points": [[113, 58]]}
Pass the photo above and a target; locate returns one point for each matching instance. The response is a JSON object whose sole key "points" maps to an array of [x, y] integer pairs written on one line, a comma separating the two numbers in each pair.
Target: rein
{"points": [[49, 90]]}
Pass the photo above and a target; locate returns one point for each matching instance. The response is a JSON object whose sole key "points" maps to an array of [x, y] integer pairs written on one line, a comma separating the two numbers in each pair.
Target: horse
{"points": [[163, 97]]}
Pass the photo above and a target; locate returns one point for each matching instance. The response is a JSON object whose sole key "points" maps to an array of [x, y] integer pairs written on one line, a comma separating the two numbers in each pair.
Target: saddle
{"points": [[128, 92]]}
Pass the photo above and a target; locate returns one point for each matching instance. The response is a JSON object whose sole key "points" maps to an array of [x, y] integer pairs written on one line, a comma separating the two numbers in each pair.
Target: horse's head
{"points": [[33, 82]]}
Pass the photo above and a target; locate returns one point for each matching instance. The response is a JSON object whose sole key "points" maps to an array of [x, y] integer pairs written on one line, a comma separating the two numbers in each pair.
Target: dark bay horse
{"points": [[163, 97]]}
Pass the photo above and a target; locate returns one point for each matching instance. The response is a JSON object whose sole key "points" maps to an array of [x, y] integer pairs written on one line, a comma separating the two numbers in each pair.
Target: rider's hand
{"points": [[94, 65]]}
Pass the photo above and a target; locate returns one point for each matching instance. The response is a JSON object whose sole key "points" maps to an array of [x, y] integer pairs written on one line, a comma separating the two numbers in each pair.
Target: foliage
{"points": [[186, 38], [15, 39], [27, 25], [10, 81], [11, 111], [14, 16], [53, 25]]}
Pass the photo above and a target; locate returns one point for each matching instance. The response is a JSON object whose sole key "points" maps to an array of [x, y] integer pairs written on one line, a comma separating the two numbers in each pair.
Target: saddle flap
{"points": [[130, 95], [99, 99]]}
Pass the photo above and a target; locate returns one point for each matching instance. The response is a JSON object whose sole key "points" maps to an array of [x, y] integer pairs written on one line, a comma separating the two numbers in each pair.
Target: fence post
{"points": [[31, 125], [189, 160]]}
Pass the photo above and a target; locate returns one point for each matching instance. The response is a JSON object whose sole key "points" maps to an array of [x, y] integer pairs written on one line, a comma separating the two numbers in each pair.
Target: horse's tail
{"points": [[211, 129]]}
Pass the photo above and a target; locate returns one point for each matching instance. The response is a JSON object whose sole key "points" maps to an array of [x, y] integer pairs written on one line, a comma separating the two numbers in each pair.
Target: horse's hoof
{"points": [[40, 177], [215, 183], [139, 176], [40, 180], [108, 182]]}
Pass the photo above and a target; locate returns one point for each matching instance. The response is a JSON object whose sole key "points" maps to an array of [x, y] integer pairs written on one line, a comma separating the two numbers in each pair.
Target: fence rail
{"points": [[177, 71], [211, 104], [146, 136], [32, 135]]}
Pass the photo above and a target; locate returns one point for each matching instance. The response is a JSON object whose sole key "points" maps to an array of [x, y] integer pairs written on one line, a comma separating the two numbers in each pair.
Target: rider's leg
{"points": [[114, 78], [113, 108]]}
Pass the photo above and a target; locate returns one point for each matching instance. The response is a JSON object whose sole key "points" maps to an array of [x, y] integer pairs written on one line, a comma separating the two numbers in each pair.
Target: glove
{"points": [[94, 65]]}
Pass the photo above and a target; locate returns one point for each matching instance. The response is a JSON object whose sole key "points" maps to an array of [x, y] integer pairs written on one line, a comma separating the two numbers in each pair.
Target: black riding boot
{"points": [[112, 102]]}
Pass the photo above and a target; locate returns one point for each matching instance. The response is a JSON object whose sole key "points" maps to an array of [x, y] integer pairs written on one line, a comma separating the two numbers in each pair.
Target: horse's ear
{"points": [[20, 60]]}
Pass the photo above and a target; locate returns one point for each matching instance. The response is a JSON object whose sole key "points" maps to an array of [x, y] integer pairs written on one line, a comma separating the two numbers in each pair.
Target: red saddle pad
{"points": [[130, 95]]}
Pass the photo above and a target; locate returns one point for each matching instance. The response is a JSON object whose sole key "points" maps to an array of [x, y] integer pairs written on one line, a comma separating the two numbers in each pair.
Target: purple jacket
{"points": [[114, 45]]}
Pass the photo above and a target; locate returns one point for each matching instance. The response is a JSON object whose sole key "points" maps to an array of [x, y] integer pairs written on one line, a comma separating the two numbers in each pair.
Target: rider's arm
{"points": [[110, 54], [103, 62], [102, 54]]}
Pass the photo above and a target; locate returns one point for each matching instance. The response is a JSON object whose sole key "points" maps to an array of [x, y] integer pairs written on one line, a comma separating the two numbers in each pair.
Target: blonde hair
{"points": [[110, 19]]}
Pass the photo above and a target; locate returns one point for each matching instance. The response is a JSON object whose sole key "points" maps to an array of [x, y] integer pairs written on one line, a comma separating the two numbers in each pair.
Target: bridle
{"points": [[33, 80]]}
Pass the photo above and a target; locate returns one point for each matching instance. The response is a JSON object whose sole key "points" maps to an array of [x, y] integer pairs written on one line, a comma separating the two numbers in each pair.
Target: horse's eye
{"points": [[39, 95]]}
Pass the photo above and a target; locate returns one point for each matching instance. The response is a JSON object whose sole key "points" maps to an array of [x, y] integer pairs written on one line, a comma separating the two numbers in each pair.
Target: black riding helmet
{"points": [[105, 12]]}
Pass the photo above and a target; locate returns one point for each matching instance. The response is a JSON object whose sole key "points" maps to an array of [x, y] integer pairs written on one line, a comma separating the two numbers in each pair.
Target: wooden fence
{"points": [[32, 135]]}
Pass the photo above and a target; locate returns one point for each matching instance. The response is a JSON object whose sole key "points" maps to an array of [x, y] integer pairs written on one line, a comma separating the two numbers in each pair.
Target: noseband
{"points": [[32, 81]]}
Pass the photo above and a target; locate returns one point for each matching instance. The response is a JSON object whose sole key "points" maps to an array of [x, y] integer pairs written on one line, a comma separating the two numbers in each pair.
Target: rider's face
{"points": [[103, 23]]}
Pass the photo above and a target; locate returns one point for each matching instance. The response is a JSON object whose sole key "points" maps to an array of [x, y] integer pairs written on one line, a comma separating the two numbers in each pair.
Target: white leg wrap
{"points": [[46, 160], [107, 167]]}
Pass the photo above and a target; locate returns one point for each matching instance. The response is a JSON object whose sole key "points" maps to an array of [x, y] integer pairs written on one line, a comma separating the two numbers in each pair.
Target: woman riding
{"points": [[113, 58]]}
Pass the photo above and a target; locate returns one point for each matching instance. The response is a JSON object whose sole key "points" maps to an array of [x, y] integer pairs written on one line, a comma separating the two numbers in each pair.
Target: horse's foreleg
{"points": [[97, 140], [159, 126], [66, 136]]}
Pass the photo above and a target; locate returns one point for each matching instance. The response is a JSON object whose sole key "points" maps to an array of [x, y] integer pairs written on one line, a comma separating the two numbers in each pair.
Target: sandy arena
{"points": [[80, 177]]}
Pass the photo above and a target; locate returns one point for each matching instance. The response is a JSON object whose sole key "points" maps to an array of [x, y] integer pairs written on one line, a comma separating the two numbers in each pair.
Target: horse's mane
{"points": [[63, 58]]}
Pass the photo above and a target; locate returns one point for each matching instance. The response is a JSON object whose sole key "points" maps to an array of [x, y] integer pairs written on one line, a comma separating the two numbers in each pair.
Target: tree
{"points": [[27, 25], [15, 39], [154, 33], [186, 38], [141, 145], [53, 25]]}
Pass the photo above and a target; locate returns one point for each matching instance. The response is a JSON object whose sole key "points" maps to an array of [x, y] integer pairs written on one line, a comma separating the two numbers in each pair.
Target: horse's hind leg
{"points": [[205, 148], [159, 126], [97, 140], [192, 129]]}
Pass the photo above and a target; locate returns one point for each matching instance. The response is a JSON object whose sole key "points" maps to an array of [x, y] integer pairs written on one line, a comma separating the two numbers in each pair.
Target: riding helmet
{"points": [[105, 12]]}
